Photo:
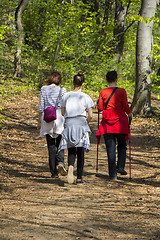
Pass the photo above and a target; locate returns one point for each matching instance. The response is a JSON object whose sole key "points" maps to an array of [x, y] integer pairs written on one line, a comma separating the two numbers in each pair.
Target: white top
{"points": [[76, 104]]}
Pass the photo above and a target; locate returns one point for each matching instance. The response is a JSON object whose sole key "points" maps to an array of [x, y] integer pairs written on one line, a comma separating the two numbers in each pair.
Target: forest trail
{"points": [[35, 206]]}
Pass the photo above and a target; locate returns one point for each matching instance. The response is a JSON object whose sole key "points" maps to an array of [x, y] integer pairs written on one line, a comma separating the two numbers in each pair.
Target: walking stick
{"points": [[130, 149], [97, 147]]}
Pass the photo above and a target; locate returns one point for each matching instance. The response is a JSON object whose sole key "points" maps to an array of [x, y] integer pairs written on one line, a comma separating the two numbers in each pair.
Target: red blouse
{"points": [[114, 118], [117, 102]]}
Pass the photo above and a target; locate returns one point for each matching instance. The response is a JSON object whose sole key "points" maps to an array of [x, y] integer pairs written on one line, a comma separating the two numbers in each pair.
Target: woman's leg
{"points": [[71, 156], [60, 154], [60, 158], [121, 148], [110, 142], [71, 161], [52, 154], [80, 162]]}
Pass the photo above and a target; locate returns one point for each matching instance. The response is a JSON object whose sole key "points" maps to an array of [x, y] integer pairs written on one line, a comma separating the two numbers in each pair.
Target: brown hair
{"points": [[78, 79], [55, 78]]}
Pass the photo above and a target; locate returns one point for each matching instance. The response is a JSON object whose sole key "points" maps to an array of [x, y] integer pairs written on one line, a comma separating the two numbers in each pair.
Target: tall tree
{"points": [[58, 46], [142, 98], [18, 19], [120, 15]]}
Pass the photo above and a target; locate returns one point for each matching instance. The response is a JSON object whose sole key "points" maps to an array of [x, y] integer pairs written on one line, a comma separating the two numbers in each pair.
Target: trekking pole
{"points": [[97, 147], [130, 149]]}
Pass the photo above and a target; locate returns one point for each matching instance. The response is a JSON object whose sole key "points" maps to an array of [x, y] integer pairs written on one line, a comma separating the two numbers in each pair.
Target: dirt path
{"points": [[34, 206]]}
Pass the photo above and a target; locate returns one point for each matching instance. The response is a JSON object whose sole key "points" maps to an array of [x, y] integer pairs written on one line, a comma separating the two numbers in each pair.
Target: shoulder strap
{"points": [[110, 97], [58, 97]]}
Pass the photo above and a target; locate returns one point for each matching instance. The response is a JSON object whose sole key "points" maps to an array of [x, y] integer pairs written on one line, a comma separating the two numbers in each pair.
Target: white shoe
{"points": [[61, 169], [70, 176]]}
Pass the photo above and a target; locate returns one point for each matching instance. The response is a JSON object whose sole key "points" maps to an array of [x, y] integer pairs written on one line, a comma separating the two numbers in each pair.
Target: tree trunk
{"points": [[108, 4], [96, 6], [102, 32], [19, 27], [142, 98], [58, 46], [120, 15]]}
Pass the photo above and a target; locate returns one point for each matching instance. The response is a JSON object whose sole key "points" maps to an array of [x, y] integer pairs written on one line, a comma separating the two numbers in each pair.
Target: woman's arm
{"points": [[130, 115], [89, 118], [125, 102], [39, 121], [63, 110], [100, 103]]}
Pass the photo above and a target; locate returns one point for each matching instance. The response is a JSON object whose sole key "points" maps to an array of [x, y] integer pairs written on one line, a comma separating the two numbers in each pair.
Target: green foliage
{"points": [[7, 38], [156, 84], [156, 56], [85, 44], [3, 29], [10, 88]]}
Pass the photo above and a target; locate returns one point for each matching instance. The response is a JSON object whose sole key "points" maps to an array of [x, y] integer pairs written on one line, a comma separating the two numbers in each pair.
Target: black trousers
{"points": [[110, 142], [72, 152], [54, 157]]}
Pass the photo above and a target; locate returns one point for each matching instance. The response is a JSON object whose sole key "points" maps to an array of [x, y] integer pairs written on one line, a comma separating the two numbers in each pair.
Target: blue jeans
{"points": [[110, 142]]}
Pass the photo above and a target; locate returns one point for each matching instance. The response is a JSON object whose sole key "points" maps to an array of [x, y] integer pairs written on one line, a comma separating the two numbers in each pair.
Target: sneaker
{"points": [[61, 169], [70, 176], [80, 182], [121, 171]]}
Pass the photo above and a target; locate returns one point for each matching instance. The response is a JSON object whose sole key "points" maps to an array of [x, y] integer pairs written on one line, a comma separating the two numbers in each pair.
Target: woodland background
{"points": [[95, 36], [37, 37]]}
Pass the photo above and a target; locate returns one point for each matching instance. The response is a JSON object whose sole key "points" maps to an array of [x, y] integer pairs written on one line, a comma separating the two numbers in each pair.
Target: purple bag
{"points": [[50, 114]]}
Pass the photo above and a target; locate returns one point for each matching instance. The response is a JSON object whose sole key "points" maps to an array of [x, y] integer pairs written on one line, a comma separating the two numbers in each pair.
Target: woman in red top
{"points": [[114, 125]]}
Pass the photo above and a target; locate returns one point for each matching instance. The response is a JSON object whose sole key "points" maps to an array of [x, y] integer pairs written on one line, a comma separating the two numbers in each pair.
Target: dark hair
{"points": [[78, 79], [111, 76], [55, 78]]}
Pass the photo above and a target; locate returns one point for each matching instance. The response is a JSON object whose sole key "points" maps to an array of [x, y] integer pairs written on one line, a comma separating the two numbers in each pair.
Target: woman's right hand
{"points": [[130, 118], [89, 115]]}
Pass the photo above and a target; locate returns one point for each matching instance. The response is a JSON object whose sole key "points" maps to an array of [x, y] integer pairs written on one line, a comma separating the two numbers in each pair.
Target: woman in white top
{"points": [[75, 136], [51, 95]]}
